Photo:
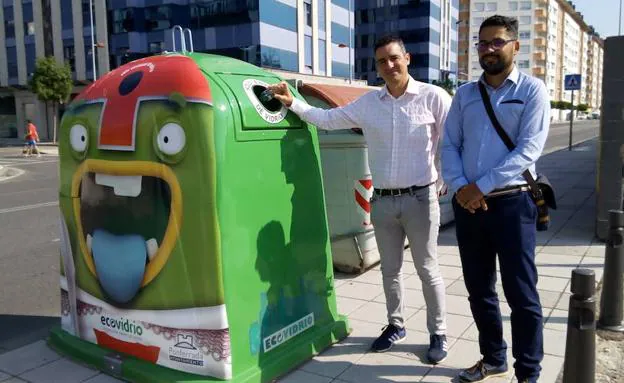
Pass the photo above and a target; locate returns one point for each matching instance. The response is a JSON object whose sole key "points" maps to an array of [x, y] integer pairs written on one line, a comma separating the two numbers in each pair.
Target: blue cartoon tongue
{"points": [[119, 263]]}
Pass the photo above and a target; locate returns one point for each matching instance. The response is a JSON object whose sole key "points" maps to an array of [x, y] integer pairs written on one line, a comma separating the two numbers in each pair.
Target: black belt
{"points": [[508, 190], [398, 192]]}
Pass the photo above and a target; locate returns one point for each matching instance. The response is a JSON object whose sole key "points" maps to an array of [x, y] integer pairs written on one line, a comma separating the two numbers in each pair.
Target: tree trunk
{"points": [[54, 106], [47, 112]]}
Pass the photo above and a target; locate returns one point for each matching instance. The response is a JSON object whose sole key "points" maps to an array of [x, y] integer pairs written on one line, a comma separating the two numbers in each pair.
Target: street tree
{"points": [[52, 83], [447, 85]]}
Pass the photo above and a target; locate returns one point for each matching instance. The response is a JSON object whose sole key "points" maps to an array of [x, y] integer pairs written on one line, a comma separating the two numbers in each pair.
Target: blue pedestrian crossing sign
{"points": [[573, 82]]}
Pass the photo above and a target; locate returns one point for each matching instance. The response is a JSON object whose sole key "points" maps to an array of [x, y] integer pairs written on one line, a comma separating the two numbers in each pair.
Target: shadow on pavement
{"points": [[20, 330]]}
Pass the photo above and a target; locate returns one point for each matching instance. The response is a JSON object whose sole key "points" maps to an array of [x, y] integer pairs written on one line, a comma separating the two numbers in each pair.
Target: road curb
{"points": [[562, 147]]}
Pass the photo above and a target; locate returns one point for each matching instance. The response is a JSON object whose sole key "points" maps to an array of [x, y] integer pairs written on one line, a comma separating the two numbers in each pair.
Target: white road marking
{"points": [[28, 207]]}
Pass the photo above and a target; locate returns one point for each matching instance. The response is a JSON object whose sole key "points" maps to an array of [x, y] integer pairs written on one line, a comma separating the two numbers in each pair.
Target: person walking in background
{"points": [[494, 210], [32, 137], [402, 124]]}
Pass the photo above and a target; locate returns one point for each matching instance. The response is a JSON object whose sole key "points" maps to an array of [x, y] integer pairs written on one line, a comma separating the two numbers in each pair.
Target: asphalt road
{"points": [[558, 137], [29, 244], [29, 260]]}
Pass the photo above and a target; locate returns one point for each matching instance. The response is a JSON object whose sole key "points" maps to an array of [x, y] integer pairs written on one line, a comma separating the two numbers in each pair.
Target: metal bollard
{"points": [[612, 296], [580, 354]]}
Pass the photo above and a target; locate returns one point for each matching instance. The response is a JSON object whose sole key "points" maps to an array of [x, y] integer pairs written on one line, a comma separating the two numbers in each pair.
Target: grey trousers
{"points": [[417, 216]]}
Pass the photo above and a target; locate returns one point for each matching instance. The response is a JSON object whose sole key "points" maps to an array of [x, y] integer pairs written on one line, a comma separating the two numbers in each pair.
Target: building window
{"points": [[69, 54], [30, 28], [86, 16], [308, 52], [156, 47], [523, 64], [524, 20], [525, 5], [31, 57], [321, 13], [513, 5], [491, 7], [524, 49], [322, 46], [123, 20], [364, 41], [308, 13], [12, 61], [477, 21], [157, 18], [479, 7], [9, 24], [525, 35]]}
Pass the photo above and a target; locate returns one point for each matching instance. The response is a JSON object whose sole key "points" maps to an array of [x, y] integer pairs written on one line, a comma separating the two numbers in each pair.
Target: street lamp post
{"points": [[92, 40], [350, 68], [457, 24], [620, 22]]}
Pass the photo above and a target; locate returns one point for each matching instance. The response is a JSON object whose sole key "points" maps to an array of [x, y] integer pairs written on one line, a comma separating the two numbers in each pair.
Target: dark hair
{"points": [[509, 23], [389, 39]]}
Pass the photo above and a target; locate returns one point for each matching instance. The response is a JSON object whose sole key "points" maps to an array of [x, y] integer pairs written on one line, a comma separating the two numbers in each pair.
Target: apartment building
{"points": [[465, 42], [593, 83], [306, 36], [554, 41], [428, 29]]}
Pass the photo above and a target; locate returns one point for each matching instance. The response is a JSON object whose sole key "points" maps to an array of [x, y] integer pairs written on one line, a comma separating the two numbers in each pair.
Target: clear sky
{"points": [[602, 14]]}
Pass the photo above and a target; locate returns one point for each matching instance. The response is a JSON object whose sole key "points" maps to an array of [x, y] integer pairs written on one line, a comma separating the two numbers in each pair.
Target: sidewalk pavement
{"points": [[568, 244]]}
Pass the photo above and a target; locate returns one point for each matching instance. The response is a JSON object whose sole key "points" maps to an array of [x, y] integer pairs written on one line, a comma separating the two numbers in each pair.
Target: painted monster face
{"points": [[129, 130]]}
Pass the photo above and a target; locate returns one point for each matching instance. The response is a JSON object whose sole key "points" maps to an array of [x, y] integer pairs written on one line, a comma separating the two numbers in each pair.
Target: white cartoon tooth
{"points": [[152, 248], [125, 186]]}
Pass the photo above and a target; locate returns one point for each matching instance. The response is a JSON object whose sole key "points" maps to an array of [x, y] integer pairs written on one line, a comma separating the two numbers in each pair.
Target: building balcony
{"points": [[539, 42], [540, 12], [540, 55], [541, 27], [539, 71]]}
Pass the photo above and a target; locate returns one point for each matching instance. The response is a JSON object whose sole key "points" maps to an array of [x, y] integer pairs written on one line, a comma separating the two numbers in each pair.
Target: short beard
{"points": [[494, 69]]}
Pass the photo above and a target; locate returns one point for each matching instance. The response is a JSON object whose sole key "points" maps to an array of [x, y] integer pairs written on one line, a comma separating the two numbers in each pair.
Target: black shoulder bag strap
{"points": [[535, 190]]}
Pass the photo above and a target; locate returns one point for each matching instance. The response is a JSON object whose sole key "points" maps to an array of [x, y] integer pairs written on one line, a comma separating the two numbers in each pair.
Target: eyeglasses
{"points": [[497, 44]]}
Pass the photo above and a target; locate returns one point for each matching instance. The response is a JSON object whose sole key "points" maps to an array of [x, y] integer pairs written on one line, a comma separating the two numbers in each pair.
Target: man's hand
{"points": [[443, 190], [282, 93], [471, 198]]}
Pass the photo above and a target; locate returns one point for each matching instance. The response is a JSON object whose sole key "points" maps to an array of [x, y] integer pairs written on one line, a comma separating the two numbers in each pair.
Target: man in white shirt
{"points": [[402, 124]]}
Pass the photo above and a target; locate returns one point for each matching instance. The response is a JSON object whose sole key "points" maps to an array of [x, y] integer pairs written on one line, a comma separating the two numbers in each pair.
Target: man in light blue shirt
{"points": [[494, 211]]}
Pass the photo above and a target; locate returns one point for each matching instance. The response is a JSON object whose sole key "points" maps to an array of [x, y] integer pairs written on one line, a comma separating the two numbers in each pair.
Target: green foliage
{"points": [[51, 81], [582, 107], [53, 84], [447, 85]]}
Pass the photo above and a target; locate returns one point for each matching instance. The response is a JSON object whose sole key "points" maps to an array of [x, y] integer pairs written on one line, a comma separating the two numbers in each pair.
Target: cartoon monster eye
{"points": [[78, 138], [171, 139]]}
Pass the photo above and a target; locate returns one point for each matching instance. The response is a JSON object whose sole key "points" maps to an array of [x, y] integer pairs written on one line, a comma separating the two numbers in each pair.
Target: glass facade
{"points": [[322, 44], [66, 15], [322, 15], [31, 57], [262, 32], [9, 24], [418, 23], [12, 62]]}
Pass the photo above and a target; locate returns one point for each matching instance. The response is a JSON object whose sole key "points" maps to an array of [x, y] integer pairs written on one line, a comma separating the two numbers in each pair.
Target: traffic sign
{"points": [[573, 82]]}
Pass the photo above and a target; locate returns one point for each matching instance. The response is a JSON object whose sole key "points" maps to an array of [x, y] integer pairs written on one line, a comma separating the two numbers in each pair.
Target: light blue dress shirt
{"points": [[471, 149]]}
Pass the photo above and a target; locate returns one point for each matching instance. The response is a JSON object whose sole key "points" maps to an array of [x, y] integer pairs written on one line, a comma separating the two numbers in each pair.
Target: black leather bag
{"points": [[542, 192]]}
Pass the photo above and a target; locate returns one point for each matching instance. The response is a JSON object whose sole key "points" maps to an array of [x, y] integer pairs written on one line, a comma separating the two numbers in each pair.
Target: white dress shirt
{"points": [[402, 133]]}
